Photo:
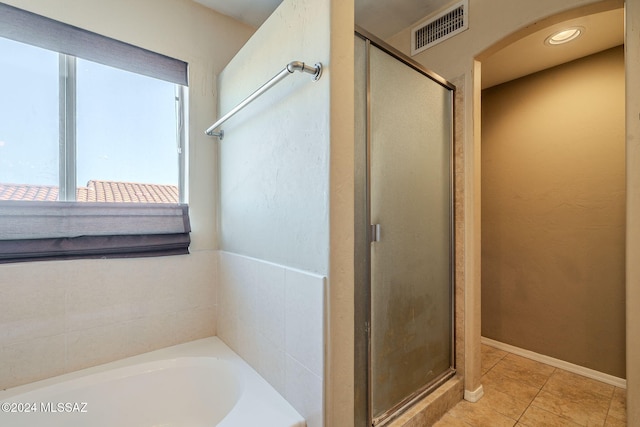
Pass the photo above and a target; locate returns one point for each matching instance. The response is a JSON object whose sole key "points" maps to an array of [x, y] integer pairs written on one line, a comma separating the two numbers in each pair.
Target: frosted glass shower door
{"points": [[410, 198]]}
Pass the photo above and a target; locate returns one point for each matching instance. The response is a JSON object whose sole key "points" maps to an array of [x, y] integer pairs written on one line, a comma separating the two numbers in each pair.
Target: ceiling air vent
{"points": [[440, 27]]}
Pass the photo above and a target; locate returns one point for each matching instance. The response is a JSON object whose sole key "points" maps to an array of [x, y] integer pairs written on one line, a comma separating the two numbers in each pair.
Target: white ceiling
{"points": [[385, 18], [252, 12]]}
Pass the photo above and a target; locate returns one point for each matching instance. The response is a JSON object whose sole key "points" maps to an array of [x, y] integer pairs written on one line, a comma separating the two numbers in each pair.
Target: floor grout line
{"points": [[534, 397], [548, 410], [540, 389]]}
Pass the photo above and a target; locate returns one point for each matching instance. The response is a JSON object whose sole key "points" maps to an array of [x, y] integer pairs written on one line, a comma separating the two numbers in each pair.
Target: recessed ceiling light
{"points": [[564, 36]]}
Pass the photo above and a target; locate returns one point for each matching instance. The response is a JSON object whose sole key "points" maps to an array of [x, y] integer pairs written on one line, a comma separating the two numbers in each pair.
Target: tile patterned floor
{"points": [[524, 393]]}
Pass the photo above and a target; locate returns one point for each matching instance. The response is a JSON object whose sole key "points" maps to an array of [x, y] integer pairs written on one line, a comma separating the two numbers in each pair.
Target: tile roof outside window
{"points": [[95, 191]]}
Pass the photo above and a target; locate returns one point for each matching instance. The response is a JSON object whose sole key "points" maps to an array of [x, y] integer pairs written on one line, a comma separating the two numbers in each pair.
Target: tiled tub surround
{"points": [[273, 317], [62, 316]]}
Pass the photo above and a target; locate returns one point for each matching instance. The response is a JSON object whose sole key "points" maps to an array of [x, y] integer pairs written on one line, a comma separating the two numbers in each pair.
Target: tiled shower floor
{"points": [[522, 392]]}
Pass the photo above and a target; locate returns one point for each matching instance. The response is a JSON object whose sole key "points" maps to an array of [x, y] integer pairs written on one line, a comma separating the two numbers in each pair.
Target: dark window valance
{"points": [[26, 27], [65, 230]]}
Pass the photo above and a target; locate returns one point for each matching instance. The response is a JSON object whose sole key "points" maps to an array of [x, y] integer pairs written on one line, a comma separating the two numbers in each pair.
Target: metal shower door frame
{"points": [[368, 234]]}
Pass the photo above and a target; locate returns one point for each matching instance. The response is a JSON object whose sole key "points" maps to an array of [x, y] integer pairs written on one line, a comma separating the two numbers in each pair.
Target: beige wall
{"points": [[65, 315], [632, 58], [339, 320], [274, 158], [553, 212]]}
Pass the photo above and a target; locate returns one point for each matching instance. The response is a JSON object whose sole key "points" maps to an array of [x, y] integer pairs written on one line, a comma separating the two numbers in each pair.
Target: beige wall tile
{"points": [[195, 323], [91, 347], [303, 389], [151, 333], [197, 290], [149, 299], [30, 310], [31, 360], [304, 318], [92, 303], [227, 326], [103, 310], [270, 303], [248, 344], [271, 363]]}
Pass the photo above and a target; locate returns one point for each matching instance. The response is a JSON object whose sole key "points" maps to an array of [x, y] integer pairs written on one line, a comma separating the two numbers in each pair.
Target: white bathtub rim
{"points": [[93, 375], [199, 348], [257, 394]]}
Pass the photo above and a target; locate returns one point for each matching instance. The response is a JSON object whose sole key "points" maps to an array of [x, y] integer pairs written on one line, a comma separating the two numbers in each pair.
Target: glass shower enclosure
{"points": [[404, 121]]}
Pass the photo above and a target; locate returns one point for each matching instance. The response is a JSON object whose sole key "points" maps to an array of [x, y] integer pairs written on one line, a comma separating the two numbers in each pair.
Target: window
{"points": [[129, 136], [29, 114], [92, 144]]}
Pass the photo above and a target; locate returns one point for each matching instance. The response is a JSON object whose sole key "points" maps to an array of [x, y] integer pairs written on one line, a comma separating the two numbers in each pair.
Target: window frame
{"points": [[67, 176]]}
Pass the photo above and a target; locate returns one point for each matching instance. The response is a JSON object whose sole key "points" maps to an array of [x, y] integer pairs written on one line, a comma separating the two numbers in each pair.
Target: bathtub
{"points": [[198, 384]]}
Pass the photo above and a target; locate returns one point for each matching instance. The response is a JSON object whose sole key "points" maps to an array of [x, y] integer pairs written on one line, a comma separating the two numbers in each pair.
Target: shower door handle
{"points": [[375, 233]]}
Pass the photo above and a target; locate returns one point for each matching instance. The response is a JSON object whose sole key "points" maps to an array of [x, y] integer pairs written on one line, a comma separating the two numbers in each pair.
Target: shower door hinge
{"points": [[375, 233]]}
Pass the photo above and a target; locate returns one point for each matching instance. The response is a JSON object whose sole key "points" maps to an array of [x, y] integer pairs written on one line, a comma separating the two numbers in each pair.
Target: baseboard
{"points": [[557, 363], [474, 396]]}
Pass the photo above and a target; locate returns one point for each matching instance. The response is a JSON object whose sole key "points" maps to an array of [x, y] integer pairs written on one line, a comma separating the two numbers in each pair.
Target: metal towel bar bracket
{"points": [[291, 67]]}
